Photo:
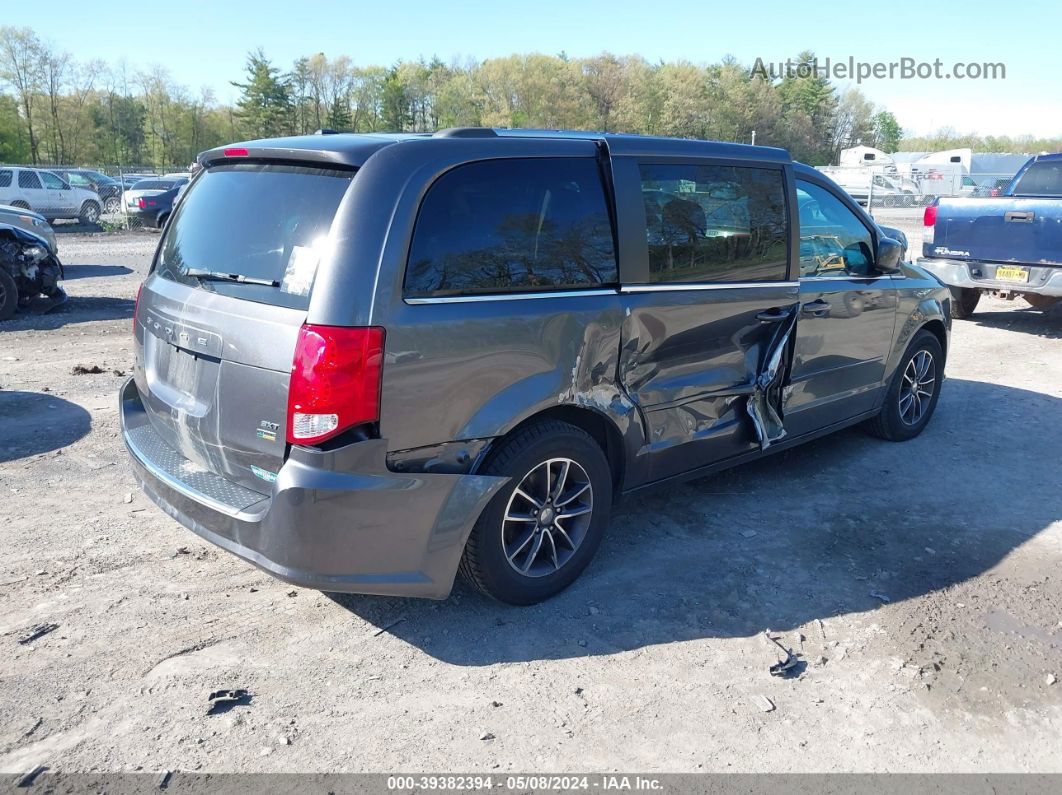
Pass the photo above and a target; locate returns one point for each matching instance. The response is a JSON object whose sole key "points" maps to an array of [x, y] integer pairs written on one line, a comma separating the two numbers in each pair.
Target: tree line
{"points": [[55, 109]]}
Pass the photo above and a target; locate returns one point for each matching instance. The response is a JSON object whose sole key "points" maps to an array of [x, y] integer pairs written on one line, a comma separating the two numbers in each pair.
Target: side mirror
{"points": [[887, 259]]}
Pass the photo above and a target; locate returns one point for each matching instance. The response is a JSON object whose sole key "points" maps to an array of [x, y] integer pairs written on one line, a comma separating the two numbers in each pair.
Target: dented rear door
{"points": [[708, 304]]}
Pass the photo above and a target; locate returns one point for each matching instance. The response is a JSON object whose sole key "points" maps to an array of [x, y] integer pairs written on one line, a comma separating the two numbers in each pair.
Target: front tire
{"points": [[90, 213], [964, 301], [913, 392], [112, 205], [8, 296], [541, 530]]}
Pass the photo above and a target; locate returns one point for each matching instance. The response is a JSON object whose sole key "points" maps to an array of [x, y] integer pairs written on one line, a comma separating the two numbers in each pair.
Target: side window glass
{"points": [[29, 180], [833, 241], [5, 179], [521, 225], [52, 182], [708, 223]]}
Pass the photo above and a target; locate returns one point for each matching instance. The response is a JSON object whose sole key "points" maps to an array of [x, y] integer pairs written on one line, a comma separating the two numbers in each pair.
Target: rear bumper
{"points": [[1043, 280], [333, 521]]}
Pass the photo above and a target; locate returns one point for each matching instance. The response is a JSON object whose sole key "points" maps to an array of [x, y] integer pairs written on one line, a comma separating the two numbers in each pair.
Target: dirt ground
{"points": [[920, 582]]}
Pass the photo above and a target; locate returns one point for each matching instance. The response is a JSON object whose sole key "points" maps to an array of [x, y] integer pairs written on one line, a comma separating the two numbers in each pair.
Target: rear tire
{"points": [[523, 566], [8, 296], [907, 408], [112, 205], [162, 219], [964, 301], [90, 213]]}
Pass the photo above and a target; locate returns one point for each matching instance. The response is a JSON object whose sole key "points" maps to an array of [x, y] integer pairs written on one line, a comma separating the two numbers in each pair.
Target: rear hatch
{"points": [[217, 353]]}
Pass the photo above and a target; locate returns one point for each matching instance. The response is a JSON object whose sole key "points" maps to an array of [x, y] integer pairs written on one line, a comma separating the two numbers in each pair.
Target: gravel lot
{"points": [[920, 582]]}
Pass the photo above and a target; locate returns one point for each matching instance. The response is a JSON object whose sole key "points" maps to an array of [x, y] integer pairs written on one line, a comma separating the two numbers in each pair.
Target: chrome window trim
{"points": [[679, 286], [626, 288], [844, 278], [465, 299]]}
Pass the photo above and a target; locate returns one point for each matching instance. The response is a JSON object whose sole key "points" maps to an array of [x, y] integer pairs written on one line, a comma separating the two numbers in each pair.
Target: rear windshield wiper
{"points": [[218, 276]]}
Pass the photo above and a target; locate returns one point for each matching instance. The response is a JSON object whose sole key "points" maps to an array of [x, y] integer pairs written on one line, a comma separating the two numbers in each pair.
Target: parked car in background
{"points": [[151, 203], [107, 188], [1009, 245], [363, 362], [48, 194], [31, 222]]}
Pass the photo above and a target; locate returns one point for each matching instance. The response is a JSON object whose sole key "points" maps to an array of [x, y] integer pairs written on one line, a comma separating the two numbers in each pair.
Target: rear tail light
{"points": [[335, 381], [136, 306], [140, 203], [929, 218]]}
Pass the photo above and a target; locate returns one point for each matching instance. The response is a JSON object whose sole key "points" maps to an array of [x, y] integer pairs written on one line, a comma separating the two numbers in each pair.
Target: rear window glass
{"points": [[512, 226], [1042, 178], [153, 184], [715, 223], [5, 179], [264, 222]]}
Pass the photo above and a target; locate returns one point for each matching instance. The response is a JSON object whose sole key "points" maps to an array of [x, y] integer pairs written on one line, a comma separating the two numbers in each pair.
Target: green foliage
{"points": [[265, 106], [948, 138], [53, 107], [14, 148], [887, 131]]}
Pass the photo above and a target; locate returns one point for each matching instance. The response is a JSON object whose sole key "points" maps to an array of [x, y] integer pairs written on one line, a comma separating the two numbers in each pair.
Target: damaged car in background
{"points": [[28, 270], [367, 362]]}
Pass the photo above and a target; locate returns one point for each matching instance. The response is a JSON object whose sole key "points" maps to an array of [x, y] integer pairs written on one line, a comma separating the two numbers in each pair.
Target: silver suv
{"points": [[47, 194]]}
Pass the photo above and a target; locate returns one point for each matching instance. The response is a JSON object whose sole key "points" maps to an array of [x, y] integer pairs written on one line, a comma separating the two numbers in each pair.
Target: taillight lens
{"points": [[929, 217], [140, 203], [335, 381], [136, 306]]}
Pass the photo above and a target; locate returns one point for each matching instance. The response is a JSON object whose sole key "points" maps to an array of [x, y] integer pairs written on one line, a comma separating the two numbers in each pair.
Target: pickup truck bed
{"points": [[1010, 245]]}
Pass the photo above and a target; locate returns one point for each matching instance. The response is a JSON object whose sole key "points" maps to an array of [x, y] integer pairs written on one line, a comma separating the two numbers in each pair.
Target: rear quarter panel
{"points": [[467, 370]]}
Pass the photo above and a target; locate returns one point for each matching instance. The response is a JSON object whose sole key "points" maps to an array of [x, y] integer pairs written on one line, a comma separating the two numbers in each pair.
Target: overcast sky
{"points": [[205, 43]]}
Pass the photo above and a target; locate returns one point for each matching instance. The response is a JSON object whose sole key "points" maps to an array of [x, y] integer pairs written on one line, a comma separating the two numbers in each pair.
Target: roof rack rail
{"points": [[466, 132]]}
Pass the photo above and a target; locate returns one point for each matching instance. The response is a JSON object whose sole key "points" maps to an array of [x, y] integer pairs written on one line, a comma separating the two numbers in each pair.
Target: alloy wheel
{"points": [[916, 390], [547, 517]]}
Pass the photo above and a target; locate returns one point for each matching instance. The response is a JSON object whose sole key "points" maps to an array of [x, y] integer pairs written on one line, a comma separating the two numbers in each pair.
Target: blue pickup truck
{"points": [[1007, 245]]}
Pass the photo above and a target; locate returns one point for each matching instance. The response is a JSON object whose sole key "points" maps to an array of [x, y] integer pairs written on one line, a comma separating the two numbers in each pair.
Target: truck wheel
{"points": [[913, 392], [90, 213], [964, 301], [540, 531], [8, 296], [112, 205], [1041, 302]]}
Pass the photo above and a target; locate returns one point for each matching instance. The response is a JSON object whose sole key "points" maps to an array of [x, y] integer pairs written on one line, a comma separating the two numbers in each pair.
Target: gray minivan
{"points": [[364, 362]]}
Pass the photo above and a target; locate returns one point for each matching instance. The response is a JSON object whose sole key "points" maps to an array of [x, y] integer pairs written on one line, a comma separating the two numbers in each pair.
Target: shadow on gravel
{"points": [[1029, 321], [32, 423], [77, 309], [836, 526], [88, 271]]}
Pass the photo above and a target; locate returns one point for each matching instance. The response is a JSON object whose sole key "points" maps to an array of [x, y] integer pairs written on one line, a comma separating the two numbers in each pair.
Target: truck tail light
{"points": [[929, 217], [335, 381]]}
